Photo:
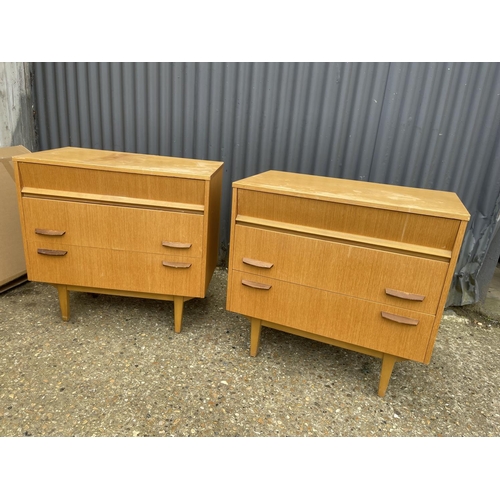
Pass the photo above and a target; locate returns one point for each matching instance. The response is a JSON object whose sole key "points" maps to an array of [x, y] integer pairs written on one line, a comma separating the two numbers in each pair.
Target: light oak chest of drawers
{"points": [[120, 223], [359, 265]]}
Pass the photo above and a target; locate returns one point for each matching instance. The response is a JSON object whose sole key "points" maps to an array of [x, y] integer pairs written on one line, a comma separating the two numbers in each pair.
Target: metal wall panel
{"points": [[432, 125], [440, 129]]}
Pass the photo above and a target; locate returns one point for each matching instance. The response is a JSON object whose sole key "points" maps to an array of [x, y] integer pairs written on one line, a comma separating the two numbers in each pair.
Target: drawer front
{"points": [[115, 270], [332, 315], [103, 182], [415, 229], [347, 269], [118, 228]]}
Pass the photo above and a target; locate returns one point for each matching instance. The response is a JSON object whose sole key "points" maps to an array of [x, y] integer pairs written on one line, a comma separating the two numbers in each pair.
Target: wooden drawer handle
{"points": [[175, 244], [49, 232], [253, 284], [400, 319], [177, 265], [257, 263], [55, 253], [404, 295]]}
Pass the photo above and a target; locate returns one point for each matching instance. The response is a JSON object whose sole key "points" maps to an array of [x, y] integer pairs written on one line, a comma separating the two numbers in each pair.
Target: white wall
{"points": [[16, 107]]}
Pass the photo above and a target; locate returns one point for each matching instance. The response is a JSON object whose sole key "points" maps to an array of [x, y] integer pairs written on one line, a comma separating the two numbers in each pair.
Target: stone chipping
{"points": [[117, 368]]}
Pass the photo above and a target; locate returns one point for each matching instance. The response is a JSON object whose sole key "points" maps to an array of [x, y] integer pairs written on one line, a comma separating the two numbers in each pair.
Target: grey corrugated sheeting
{"points": [[430, 125], [440, 129]]}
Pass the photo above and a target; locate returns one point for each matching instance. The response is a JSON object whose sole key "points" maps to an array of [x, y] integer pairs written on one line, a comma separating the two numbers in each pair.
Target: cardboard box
{"points": [[12, 263]]}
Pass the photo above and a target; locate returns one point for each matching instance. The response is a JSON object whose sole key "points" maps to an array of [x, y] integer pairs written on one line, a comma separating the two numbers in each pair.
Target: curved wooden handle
{"points": [[257, 263], [55, 253], [404, 295], [400, 319], [175, 244], [49, 232], [177, 265], [254, 284]]}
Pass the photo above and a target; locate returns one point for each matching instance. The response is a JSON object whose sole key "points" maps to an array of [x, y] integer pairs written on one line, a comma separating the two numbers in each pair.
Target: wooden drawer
{"points": [[116, 184], [328, 314], [115, 270], [118, 228], [369, 222], [351, 270]]}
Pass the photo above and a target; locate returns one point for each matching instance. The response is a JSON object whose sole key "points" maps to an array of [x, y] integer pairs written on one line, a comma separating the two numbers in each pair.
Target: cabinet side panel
{"points": [[446, 289], [19, 186], [230, 266], [212, 204]]}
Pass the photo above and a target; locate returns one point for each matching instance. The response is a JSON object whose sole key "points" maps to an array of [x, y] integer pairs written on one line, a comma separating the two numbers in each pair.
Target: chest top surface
{"points": [[124, 162], [361, 193]]}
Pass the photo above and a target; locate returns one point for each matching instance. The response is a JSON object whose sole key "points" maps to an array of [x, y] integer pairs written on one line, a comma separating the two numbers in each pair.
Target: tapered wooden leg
{"points": [[63, 292], [388, 362], [178, 310], [255, 336]]}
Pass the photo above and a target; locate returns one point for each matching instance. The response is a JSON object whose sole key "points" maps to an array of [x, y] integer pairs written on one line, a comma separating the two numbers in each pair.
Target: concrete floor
{"points": [[118, 369]]}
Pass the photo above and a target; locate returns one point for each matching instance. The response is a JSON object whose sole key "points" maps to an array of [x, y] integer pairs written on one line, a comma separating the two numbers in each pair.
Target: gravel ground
{"points": [[118, 369]]}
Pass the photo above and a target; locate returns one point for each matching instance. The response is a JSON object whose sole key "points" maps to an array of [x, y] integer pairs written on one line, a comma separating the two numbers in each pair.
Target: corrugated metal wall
{"points": [[431, 125]]}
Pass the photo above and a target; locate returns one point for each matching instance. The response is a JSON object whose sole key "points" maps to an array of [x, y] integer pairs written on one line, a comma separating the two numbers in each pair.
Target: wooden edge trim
{"points": [[111, 200], [120, 293], [190, 169]]}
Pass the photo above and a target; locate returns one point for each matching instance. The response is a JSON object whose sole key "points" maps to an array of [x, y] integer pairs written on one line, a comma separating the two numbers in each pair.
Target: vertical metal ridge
{"points": [[105, 106]]}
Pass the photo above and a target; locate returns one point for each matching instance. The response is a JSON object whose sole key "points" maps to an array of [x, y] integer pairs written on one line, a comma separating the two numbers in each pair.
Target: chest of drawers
{"points": [[358, 265], [119, 223]]}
